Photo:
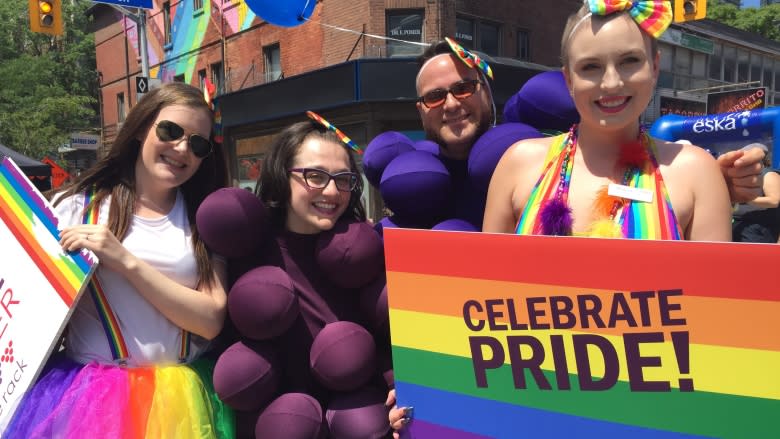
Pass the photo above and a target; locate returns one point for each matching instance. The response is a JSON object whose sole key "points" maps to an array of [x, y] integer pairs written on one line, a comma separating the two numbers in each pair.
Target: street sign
{"points": [[145, 4], [141, 84]]}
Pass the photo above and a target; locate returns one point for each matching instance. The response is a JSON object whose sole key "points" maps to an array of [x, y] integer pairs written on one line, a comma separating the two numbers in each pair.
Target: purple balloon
{"points": [[427, 146], [262, 303], [543, 102], [233, 222], [416, 186], [343, 356], [291, 416], [456, 225], [381, 151], [489, 148], [245, 376]]}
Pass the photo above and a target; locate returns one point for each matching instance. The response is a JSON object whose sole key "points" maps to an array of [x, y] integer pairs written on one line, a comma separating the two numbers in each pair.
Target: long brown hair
{"points": [[114, 174]]}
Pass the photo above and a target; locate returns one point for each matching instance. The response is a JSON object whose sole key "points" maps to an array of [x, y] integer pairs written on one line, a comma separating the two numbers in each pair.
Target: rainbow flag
{"points": [[25, 212], [506, 336]]}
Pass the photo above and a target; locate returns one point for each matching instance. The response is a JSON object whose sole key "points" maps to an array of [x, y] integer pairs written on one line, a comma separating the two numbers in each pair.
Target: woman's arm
{"points": [[711, 214], [200, 311], [771, 197]]}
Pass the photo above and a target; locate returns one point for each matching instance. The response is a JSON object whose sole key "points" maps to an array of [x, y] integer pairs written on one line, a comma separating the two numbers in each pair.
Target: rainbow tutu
{"points": [[71, 400]]}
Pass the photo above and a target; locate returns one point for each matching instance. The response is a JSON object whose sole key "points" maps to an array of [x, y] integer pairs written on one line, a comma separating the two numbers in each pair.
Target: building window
{"points": [[272, 56], [405, 26], [743, 63], [755, 66], [523, 45], [166, 8], [483, 36], [489, 39], [716, 63], [202, 79], [120, 107], [729, 63], [218, 77], [464, 32], [197, 5]]}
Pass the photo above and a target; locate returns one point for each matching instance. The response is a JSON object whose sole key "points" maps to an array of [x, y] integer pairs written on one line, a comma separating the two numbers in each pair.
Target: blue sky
{"points": [[750, 3]]}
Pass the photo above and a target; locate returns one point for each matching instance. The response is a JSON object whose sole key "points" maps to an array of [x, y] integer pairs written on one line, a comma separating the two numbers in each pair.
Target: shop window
{"points": [[404, 26]]}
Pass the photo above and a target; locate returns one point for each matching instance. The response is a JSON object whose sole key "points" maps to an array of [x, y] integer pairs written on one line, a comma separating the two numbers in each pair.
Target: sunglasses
{"points": [[461, 90], [168, 131], [319, 179]]}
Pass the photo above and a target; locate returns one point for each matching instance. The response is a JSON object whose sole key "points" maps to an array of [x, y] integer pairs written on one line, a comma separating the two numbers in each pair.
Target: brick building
{"points": [[336, 63], [353, 62]]}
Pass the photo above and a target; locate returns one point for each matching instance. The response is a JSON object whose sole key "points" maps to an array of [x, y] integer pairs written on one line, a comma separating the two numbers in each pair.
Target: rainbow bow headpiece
{"points": [[653, 16], [343, 137], [471, 59]]}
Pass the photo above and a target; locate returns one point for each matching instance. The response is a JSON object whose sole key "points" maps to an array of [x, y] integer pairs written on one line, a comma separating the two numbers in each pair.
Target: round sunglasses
{"points": [[168, 131], [319, 179], [461, 90]]}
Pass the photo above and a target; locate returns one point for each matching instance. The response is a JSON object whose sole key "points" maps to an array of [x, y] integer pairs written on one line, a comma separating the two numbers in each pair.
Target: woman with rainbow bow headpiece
{"points": [[607, 177]]}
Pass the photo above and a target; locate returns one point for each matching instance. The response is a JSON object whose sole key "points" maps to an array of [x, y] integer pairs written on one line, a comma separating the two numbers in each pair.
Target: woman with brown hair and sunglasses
{"points": [[312, 331], [131, 366]]}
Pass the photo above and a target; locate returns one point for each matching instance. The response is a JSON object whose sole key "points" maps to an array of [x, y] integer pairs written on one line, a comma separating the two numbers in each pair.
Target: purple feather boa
{"points": [[556, 218]]}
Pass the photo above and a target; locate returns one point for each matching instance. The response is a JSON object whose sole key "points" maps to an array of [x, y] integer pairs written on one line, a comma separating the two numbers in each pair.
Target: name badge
{"points": [[631, 193]]}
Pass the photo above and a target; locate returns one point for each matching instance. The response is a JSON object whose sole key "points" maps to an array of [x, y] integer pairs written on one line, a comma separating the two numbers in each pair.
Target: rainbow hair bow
{"points": [[343, 137], [653, 16], [470, 59]]}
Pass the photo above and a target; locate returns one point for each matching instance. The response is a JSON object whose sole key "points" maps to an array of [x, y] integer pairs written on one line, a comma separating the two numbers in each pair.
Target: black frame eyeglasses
{"points": [[319, 179], [168, 131], [461, 90]]}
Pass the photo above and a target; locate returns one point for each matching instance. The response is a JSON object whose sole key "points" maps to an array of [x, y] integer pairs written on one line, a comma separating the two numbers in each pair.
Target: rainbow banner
{"points": [[505, 336], [39, 284]]}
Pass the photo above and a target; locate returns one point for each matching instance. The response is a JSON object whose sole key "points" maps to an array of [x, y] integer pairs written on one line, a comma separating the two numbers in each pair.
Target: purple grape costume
{"points": [[429, 191], [310, 358]]}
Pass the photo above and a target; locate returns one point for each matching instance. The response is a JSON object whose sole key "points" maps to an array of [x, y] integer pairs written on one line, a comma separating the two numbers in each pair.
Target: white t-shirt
{"points": [[164, 243]]}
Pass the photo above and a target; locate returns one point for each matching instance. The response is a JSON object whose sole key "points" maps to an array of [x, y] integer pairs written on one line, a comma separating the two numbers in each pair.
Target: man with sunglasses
{"points": [[456, 108], [455, 103]]}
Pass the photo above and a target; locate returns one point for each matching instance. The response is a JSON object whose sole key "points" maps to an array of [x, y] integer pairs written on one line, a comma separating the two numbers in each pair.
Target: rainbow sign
{"points": [[504, 336], [39, 284]]}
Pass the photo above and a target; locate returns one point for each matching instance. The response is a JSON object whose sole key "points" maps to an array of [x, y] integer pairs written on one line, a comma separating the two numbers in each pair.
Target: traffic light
{"points": [[688, 10], [46, 16]]}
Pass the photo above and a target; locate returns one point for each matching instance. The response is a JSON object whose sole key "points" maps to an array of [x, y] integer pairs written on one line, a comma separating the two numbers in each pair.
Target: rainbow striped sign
{"points": [[39, 284], [504, 336]]}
